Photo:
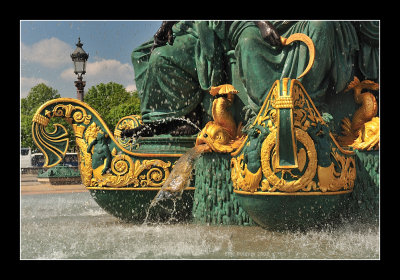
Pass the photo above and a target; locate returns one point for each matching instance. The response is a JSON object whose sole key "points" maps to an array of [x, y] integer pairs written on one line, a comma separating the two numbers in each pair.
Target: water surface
{"points": [[73, 226]]}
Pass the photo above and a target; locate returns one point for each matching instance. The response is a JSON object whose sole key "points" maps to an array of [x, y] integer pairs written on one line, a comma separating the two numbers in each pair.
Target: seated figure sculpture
{"points": [[175, 70]]}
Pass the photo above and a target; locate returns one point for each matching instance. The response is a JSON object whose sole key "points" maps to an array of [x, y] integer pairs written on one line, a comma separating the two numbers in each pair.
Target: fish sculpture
{"points": [[362, 132], [221, 135]]}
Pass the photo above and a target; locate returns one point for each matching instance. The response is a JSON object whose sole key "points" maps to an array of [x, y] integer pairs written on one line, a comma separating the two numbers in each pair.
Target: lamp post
{"points": [[79, 57]]}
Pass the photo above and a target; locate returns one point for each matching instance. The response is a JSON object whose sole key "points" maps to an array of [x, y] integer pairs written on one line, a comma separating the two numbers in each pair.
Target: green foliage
{"points": [[38, 95], [112, 102], [26, 132], [122, 110]]}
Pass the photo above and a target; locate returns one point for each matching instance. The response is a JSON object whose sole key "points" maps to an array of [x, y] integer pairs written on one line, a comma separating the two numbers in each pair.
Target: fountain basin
{"points": [[294, 211], [60, 175], [132, 205], [123, 174]]}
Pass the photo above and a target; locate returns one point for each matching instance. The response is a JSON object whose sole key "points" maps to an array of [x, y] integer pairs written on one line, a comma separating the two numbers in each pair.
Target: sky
{"points": [[46, 47]]}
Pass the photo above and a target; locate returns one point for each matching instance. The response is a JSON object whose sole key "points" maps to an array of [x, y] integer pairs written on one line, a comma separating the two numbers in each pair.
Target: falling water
{"points": [[73, 226], [179, 178]]}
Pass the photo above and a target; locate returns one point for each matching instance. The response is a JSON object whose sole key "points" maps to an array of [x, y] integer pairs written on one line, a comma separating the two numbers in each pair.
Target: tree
{"points": [[38, 95], [113, 102]]}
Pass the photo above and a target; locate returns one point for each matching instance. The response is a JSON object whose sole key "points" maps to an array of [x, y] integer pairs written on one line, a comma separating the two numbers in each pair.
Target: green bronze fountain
{"points": [[264, 154]]}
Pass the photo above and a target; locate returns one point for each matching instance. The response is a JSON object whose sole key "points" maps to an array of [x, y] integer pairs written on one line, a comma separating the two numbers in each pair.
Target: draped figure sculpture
{"points": [[175, 70]]}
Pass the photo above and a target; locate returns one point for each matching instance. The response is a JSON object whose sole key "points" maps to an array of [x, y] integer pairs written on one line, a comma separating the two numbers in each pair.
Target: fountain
{"points": [[287, 171], [60, 175]]}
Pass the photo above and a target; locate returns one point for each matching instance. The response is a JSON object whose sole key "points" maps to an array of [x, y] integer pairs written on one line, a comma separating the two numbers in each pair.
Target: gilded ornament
{"points": [[100, 163], [307, 175], [53, 145], [78, 130], [368, 137], [280, 184], [37, 118], [242, 178], [311, 48], [221, 135], [362, 132], [85, 162], [331, 180], [265, 185], [128, 122]]}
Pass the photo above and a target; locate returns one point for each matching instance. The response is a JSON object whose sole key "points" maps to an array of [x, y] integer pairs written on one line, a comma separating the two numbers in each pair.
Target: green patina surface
{"points": [[214, 199], [132, 205], [293, 212], [60, 171], [174, 79], [165, 144], [365, 198]]}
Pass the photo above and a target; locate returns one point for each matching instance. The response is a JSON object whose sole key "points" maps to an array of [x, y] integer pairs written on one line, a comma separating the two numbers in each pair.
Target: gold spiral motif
{"points": [[120, 164], [78, 116], [281, 184], [128, 122], [81, 116], [58, 113], [155, 177]]}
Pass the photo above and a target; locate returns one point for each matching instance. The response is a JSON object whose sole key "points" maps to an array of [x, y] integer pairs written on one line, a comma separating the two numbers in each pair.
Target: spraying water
{"points": [[161, 126], [179, 178], [72, 226], [187, 121]]}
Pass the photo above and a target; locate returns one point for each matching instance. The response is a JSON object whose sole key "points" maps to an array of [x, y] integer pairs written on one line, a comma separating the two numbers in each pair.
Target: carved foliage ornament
{"points": [[124, 170], [307, 173]]}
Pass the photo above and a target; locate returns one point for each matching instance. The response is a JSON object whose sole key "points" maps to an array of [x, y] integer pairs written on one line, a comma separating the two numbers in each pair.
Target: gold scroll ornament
{"points": [[337, 178], [124, 170]]}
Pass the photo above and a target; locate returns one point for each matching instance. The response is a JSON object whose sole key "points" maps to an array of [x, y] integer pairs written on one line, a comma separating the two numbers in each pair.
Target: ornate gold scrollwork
{"points": [[62, 110], [300, 172], [127, 122], [305, 114], [103, 162], [331, 180], [308, 176], [157, 174], [242, 178], [281, 184], [124, 170]]}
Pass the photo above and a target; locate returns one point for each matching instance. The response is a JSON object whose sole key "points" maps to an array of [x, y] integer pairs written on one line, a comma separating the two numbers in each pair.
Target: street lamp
{"points": [[79, 57]]}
